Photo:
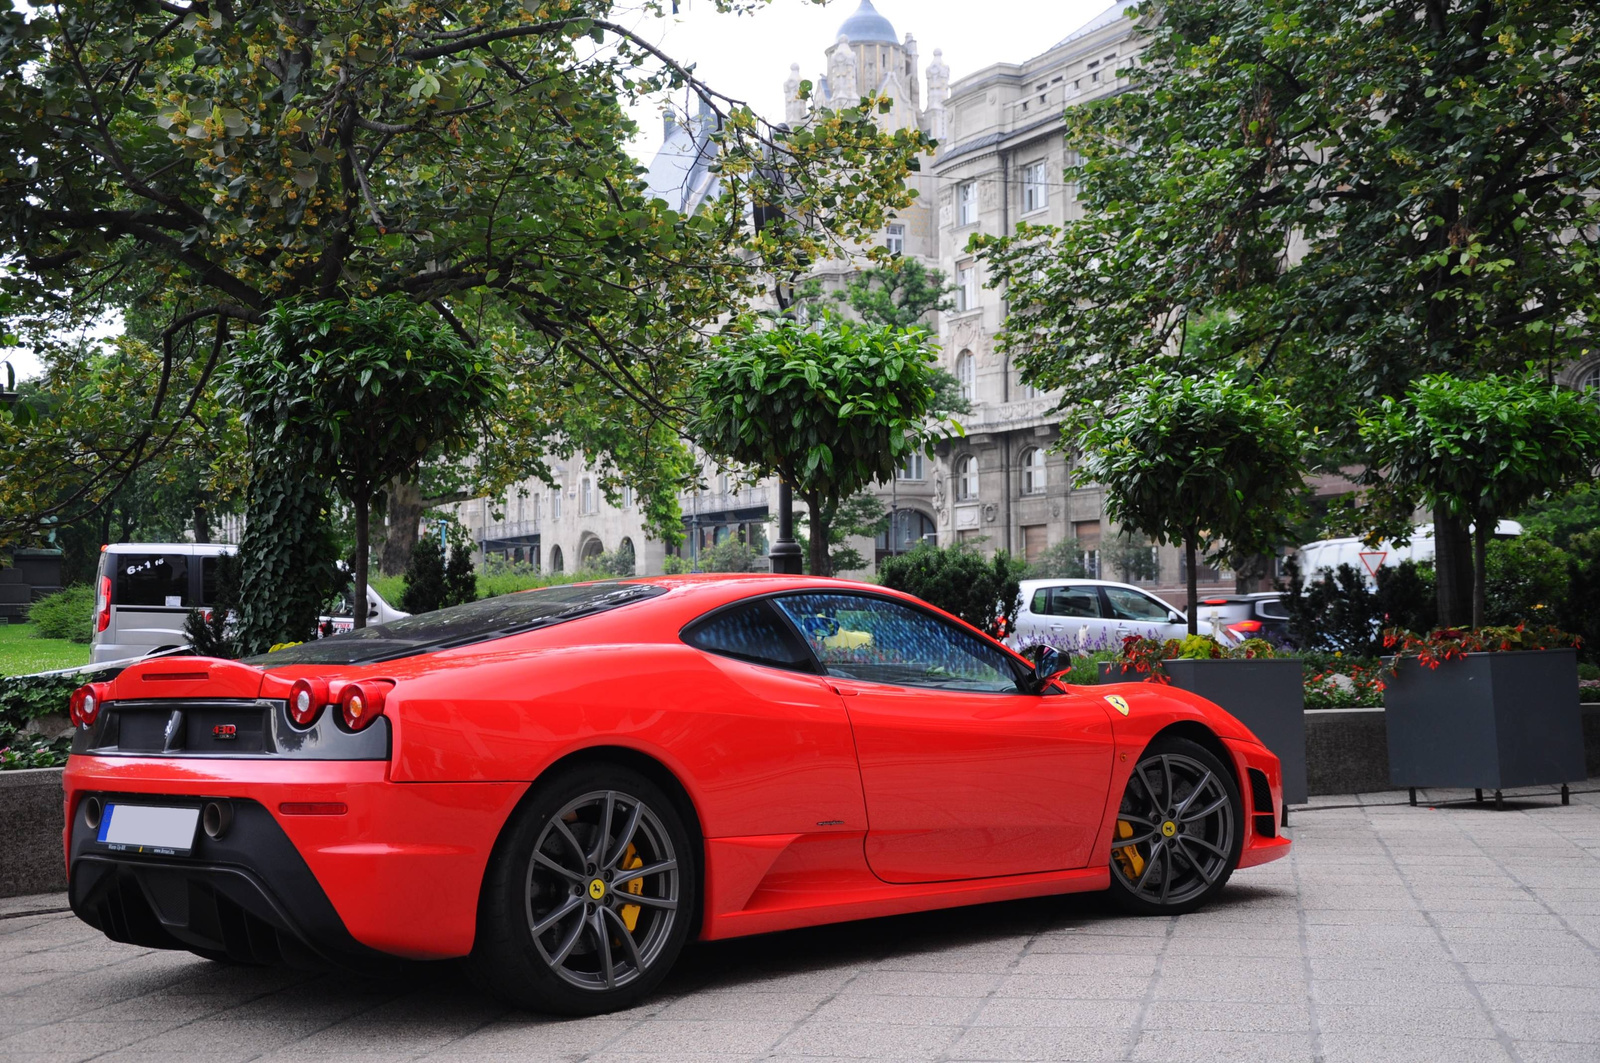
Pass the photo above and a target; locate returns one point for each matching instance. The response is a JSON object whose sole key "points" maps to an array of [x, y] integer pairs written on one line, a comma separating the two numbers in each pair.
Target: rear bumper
{"points": [[397, 874]]}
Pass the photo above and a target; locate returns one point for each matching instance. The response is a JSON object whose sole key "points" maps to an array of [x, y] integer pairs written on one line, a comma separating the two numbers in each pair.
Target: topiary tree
{"points": [[1201, 462], [982, 591], [1480, 449], [366, 387], [425, 579], [828, 410], [460, 580]]}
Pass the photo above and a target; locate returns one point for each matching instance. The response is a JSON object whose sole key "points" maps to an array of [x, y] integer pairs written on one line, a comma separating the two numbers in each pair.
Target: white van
{"points": [[1327, 555], [144, 592]]}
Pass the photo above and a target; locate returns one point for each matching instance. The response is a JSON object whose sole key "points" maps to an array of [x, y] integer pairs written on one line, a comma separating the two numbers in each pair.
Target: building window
{"points": [[1033, 471], [966, 288], [895, 242], [1590, 380], [967, 376], [1035, 192], [722, 483], [910, 469], [967, 203], [1035, 540], [1087, 532], [627, 497], [588, 496], [967, 478], [555, 559], [555, 504]]}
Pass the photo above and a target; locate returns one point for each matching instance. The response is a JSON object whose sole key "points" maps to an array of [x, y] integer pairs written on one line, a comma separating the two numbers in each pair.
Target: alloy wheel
{"points": [[1175, 830], [602, 890]]}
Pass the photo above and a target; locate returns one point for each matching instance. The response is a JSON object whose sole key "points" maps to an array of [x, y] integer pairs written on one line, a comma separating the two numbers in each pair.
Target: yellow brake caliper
{"points": [[630, 912], [1128, 855]]}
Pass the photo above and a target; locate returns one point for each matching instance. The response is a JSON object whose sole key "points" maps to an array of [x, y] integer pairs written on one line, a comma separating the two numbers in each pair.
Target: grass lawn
{"points": [[21, 653]]}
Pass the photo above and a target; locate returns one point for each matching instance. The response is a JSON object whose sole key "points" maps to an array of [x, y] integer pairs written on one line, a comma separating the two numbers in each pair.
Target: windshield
{"points": [[462, 625]]}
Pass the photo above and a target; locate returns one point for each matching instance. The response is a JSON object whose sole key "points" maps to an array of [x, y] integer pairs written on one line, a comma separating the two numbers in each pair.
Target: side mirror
{"points": [[1174, 618], [1047, 663]]}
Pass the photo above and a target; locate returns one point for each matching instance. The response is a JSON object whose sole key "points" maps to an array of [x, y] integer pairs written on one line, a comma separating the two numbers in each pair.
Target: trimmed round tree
{"points": [[364, 388], [1197, 462], [828, 410], [1481, 449]]}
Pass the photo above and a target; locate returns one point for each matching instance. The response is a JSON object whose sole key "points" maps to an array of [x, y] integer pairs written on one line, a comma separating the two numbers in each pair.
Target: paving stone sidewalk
{"points": [[1459, 934]]}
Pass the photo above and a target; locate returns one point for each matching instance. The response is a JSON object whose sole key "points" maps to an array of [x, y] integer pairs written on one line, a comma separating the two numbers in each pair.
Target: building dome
{"points": [[867, 26]]}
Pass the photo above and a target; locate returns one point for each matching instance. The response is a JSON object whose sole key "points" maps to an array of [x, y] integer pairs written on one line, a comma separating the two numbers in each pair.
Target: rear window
{"points": [[463, 625], [1273, 608], [750, 632], [151, 579]]}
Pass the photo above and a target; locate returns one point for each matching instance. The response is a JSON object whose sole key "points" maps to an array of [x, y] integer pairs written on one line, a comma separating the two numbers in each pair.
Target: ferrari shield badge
{"points": [[1118, 702]]}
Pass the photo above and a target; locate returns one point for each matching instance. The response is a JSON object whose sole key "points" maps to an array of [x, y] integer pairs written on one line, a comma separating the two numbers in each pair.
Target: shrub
{"points": [[217, 635], [67, 614], [1407, 596], [1526, 581], [1335, 612], [425, 589], [1580, 613], [460, 581], [730, 555], [982, 591]]}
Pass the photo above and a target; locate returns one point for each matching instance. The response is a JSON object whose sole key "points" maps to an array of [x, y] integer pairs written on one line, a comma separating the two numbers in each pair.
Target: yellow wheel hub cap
{"points": [[1168, 829], [597, 889]]}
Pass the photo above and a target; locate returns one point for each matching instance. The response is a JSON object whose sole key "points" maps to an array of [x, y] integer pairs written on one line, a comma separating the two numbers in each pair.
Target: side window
{"points": [[208, 581], [151, 579], [750, 632], [1073, 601], [1131, 605], [873, 639]]}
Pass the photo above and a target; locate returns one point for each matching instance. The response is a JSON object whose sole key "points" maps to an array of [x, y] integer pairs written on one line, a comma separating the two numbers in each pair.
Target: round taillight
{"points": [[306, 699], [84, 704], [360, 704]]}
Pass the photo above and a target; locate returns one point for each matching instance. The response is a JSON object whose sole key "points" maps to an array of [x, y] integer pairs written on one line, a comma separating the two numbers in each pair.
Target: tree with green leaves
{"points": [[1480, 449], [1348, 196], [860, 516], [197, 164], [1206, 463], [365, 387], [828, 410], [902, 293]]}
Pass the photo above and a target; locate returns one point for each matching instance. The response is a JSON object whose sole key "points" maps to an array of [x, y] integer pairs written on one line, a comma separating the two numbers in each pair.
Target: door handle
{"points": [[844, 692]]}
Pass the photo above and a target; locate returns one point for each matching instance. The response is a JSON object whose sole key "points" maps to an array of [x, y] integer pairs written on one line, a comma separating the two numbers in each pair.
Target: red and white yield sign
{"points": [[1373, 560]]}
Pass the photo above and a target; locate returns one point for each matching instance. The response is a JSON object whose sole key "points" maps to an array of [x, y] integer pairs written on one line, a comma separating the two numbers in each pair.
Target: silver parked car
{"points": [[1091, 614]]}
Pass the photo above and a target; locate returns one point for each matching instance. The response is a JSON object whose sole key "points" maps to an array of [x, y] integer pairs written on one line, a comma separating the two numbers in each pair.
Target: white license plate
{"points": [[149, 828]]}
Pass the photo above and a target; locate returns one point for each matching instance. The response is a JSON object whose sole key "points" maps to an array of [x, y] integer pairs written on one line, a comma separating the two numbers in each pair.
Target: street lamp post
{"points": [[785, 552]]}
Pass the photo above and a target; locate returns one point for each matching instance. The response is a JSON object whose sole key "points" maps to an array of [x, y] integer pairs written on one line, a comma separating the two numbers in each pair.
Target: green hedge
{"points": [[67, 614]]}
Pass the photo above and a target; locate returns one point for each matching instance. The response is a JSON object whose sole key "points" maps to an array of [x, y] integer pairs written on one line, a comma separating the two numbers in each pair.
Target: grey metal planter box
{"points": [[1267, 696], [1489, 721]]}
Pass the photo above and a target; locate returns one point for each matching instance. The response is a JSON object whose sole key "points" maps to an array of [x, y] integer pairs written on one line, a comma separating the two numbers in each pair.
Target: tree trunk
{"points": [[817, 523], [358, 596], [1452, 567], [1485, 526], [202, 526], [1193, 581], [406, 507]]}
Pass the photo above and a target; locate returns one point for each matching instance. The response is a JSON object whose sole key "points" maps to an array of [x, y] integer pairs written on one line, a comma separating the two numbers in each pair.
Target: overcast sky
{"points": [[748, 57]]}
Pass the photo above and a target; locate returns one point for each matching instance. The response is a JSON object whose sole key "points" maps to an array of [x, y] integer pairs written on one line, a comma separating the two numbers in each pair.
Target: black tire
{"points": [[1179, 830], [561, 941]]}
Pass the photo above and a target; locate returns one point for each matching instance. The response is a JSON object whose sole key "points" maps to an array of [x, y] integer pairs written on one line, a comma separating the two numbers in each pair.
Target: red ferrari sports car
{"points": [[566, 785]]}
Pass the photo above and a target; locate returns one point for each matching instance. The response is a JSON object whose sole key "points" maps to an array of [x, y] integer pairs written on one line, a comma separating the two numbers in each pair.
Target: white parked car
{"points": [[1091, 614], [144, 592]]}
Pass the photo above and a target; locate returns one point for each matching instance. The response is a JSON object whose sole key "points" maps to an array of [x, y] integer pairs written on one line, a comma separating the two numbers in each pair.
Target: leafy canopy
{"points": [[1355, 194], [1483, 448], [199, 164], [1200, 462], [829, 410]]}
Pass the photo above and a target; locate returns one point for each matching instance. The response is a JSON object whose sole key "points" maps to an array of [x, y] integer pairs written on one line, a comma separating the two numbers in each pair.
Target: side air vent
{"points": [[1266, 819]]}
